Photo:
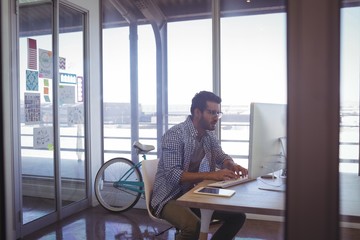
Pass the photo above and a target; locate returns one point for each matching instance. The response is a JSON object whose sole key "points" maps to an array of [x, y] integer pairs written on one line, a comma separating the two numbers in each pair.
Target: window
{"points": [[147, 85], [349, 95], [189, 65], [116, 91], [349, 115], [253, 69]]}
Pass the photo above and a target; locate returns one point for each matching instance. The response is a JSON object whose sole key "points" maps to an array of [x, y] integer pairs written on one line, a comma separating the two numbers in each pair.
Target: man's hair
{"points": [[200, 99]]}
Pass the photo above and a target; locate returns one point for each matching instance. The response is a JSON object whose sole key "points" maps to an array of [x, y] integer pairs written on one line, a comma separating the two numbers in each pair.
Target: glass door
{"points": [[36, 108], [51, 106], [71, 113]]}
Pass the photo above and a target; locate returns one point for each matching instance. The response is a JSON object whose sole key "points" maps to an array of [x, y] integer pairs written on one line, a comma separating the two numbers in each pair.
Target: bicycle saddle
{"points": [[142, 147]]}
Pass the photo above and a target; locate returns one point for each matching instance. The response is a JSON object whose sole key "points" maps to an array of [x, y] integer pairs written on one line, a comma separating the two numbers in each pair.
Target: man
{"points": [[190, 153]]}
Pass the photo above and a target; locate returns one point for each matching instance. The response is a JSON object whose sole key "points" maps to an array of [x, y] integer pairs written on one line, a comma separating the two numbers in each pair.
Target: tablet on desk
{"points": [[215, 191]]}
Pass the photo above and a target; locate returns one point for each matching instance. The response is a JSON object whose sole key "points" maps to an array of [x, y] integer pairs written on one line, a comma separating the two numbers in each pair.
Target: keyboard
{"points": [[231, 182]]}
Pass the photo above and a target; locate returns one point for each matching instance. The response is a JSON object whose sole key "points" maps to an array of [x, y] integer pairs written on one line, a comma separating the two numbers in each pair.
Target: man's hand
{"points": [[223, 174], [239, 170], [231, 170]]}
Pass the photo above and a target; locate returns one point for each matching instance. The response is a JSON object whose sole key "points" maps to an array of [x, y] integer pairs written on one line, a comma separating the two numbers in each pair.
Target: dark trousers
{"points": [[187, 221]]}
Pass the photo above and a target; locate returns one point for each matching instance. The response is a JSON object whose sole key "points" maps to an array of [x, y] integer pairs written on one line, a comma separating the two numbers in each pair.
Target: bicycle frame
{"points": [[135, 186], [124, 178]]}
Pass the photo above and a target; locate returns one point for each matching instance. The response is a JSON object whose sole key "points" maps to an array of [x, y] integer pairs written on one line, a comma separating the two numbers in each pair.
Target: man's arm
{"points": [[194, 177]]}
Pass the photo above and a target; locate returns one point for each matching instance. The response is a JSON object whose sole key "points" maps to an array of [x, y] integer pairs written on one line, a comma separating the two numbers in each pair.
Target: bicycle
{"points": [[121, 174]]}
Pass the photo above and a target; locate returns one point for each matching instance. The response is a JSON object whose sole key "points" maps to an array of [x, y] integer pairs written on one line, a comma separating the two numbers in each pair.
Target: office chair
{"points": [[149, 168]]}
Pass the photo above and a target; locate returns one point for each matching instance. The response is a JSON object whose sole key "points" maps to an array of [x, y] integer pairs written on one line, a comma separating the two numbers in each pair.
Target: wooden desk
{"points": [[248, 199]]}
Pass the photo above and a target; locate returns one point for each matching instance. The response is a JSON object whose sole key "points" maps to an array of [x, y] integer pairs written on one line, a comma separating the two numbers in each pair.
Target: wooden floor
{"points": [[98, 224]]}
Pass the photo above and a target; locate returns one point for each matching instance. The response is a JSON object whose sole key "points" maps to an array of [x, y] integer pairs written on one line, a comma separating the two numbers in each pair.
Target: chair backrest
{"points": [[149, 168]]}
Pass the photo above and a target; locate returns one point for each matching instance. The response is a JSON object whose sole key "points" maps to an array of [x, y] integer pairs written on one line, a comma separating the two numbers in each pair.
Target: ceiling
{"points": [[120, 12], [35, 15]]}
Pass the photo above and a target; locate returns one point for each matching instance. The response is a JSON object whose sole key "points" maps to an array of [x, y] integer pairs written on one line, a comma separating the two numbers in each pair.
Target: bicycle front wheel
{"points": [[112, 194]]}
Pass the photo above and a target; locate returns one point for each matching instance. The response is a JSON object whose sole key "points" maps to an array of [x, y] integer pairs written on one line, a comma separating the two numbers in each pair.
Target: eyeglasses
{"points": [[214, 113]]}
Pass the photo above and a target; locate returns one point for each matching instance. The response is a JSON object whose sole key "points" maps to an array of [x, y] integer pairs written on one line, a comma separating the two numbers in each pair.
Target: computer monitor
{"points": [[267, 142]]}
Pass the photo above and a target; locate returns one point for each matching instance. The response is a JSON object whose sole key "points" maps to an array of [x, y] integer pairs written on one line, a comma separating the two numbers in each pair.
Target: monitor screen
{"points": [[267, 142]]}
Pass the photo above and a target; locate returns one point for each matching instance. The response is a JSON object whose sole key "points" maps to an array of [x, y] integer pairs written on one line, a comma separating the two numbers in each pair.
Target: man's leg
{"points": [[231, 224], [183, 219]]}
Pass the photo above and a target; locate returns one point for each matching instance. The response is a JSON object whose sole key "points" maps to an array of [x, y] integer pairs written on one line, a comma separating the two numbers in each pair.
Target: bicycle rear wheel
{"points": [[113, 196]]}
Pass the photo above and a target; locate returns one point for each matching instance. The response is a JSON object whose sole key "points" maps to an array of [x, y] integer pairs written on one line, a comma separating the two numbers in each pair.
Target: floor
{"points": [[98, 224]]}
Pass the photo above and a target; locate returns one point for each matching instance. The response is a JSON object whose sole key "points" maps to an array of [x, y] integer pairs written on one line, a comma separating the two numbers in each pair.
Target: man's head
{"points": [[200, 100], [205, 110]]}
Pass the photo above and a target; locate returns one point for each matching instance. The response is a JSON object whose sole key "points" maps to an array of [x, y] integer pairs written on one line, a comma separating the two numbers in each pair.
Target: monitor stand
{"points": [[269, 176]]}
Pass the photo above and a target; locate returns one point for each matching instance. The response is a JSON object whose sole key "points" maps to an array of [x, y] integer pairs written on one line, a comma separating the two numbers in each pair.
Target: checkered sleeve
{"points": [[167, 181]]}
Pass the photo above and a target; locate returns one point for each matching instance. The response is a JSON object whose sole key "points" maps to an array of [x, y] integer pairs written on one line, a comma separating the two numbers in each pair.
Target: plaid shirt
{"points": [[177, 147]]}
